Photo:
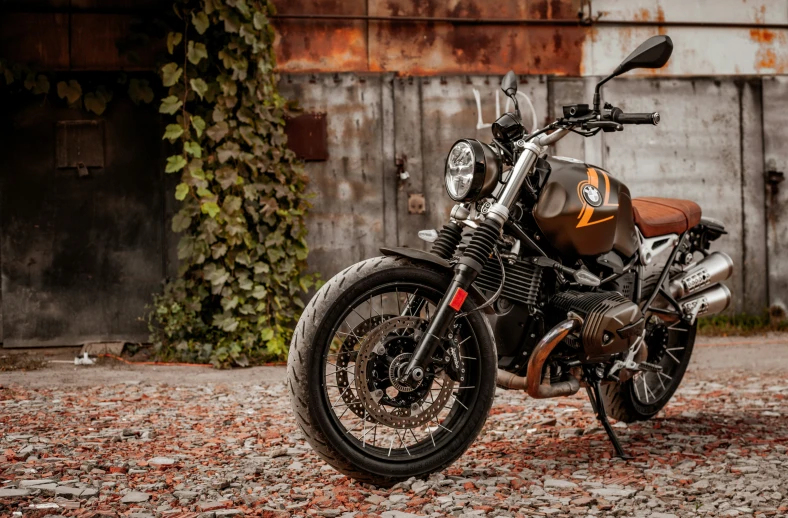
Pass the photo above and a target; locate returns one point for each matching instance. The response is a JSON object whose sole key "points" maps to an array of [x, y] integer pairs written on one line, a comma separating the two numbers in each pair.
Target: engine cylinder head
{"points": [[714, 268]]}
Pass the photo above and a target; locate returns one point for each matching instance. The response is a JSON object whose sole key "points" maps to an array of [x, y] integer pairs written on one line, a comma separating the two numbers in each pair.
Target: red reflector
{"points": [[458, 299]]}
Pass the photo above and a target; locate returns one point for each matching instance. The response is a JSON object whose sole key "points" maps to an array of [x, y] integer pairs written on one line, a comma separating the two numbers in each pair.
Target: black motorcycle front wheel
{"points": [[352, 339]]}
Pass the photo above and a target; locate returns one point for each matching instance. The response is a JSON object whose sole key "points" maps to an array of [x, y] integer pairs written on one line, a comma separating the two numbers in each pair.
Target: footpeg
{"points": [[650, 367]]}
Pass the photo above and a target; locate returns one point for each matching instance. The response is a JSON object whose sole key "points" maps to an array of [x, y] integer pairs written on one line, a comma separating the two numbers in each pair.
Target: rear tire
{"points": [[629, 402], [317, 418]]}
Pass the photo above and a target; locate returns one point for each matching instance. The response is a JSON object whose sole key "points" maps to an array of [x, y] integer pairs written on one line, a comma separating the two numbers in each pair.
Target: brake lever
{"points": [[603, 125]]}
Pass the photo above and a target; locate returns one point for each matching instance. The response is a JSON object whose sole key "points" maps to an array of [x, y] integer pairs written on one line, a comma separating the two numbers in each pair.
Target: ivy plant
{"points": [[89, 95], [242, 191]]}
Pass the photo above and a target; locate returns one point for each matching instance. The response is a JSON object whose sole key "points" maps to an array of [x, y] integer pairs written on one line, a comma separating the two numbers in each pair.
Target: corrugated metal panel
{"points": [[312, 46], [695, 153], [37, 39], [775, 135], [442, 48], [346, 223]]}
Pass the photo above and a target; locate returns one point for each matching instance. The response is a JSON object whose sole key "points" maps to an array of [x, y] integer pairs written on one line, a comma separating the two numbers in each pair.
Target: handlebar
{"points": [[634, 118]]}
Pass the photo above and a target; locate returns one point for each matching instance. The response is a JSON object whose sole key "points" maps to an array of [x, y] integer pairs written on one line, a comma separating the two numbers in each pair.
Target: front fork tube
{"points": [[464, 276]]}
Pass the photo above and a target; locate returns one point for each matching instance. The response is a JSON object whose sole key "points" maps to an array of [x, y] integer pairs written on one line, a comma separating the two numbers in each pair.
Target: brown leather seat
{"points": [[659, 216]]}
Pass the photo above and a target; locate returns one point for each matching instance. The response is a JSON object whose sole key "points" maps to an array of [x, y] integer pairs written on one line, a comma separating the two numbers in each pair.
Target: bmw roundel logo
{"points": [[592, 195]]}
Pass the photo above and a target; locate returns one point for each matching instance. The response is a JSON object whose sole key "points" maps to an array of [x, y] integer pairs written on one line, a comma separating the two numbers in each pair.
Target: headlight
{"points": [[471, 170]]}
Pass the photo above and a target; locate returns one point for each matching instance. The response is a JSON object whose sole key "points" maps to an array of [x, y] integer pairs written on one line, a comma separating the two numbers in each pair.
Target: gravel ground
{"points": [[225, 444]]}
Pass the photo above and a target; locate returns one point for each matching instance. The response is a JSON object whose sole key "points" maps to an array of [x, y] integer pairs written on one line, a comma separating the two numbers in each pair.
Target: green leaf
{"points": [[95, 103], [199, 86], [218, 131], [245, 284], [173, 132], [198, 123], [175, 163], [70, 91], [37, 84], [259, 20], [266, 334], [140, 91], [197, 52], [173, 39], [170, 105], [210, 208], [193, 149], [181, 191], [181, 221], [259, 291], [170, 73], [200, 21]]}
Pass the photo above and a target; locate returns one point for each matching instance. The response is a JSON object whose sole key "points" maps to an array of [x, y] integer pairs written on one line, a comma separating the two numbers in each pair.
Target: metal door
{"points": [[82, 247]]}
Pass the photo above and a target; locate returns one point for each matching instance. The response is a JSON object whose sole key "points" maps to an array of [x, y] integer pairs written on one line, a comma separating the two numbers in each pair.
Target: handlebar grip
{"points": [[637, 118]]}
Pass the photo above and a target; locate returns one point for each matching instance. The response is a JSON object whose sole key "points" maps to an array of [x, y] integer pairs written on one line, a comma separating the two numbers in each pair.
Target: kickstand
{"points": [[599, 407]]}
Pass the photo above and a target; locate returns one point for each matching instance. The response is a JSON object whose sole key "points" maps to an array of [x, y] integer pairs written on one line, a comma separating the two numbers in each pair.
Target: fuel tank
{"points": [[583, 211]]}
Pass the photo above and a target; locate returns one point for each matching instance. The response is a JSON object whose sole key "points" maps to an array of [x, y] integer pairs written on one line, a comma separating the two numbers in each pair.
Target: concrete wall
{"points": [[711, 147]]}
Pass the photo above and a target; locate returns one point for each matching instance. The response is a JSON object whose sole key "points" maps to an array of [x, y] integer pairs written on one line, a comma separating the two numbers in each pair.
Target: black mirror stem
{"points": [[597, 90]]}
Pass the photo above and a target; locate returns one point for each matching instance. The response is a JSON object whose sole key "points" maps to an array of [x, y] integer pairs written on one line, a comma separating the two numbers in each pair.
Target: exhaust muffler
{"points": [[708, 302], [715, 267]]}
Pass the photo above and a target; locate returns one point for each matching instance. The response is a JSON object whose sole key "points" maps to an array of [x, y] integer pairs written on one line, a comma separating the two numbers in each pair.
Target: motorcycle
{"points": [[548, 277]]}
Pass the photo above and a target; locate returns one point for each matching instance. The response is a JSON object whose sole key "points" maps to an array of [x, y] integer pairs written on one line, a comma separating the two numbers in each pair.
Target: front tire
{"points": [[314, 339]]}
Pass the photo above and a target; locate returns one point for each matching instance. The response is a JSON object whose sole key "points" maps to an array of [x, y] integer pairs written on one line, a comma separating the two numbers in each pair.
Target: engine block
{"points": [[611, 323]]}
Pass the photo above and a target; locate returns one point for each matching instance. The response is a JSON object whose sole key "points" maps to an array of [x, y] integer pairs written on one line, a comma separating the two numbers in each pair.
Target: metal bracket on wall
{"points": [[402, 173], [80, 145], [416, 204], [774, 179]]}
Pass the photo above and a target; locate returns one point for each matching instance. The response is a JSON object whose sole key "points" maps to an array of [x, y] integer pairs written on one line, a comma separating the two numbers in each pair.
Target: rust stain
{"points": [[761, 35], [428, 48], [321, 46], [770, 55]]}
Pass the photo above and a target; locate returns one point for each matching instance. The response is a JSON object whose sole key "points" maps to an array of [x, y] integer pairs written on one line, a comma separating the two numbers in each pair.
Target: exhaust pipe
{"points": [[715, 267], [532, 382], [708, 302]]}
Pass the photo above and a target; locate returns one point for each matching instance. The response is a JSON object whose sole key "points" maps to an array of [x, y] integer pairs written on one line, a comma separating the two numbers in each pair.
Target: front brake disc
{"points": [[419, 413]]}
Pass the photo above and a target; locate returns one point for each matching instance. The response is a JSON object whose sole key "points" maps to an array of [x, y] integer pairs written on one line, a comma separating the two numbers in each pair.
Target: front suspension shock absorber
{"points": [[448, 240]]}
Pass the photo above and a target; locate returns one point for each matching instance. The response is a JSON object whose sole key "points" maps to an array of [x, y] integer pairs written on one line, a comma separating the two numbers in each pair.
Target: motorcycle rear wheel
{"points": [[641, 397], [359, 300]]}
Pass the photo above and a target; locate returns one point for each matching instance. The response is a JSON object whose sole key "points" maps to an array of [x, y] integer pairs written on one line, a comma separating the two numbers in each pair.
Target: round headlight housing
{"points": [[471, 170]]}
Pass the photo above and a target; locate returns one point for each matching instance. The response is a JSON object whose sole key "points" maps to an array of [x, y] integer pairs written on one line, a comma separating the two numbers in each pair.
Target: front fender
{"points": [[421, 256], [417, 255]]}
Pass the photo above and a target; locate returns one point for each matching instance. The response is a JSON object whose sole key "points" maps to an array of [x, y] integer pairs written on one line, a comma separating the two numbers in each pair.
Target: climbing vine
{"points": [[91, 95], [243, 246]]}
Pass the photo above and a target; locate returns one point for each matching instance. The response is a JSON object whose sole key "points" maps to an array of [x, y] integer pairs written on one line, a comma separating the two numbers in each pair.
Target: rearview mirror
{"points": [[509, 84], [652, 53]]}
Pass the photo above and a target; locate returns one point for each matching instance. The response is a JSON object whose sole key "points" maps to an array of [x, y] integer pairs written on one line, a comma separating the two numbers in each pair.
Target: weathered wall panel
{"points": [[80, 256], [755, 266], [346, 222], [37, 39], [313, 45], [694, 153], [93, 43], [775, 136]]}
